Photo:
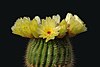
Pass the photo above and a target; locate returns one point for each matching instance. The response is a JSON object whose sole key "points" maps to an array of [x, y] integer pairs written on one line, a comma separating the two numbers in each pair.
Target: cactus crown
{"points": [[49, 28]]}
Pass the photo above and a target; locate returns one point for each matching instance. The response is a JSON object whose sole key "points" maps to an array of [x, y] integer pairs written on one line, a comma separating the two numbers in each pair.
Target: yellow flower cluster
{"points": [[49, 28]]}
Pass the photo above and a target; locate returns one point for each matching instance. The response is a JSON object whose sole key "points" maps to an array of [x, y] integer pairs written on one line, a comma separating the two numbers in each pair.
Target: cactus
{"points": [[49, 44], [54, 53]]}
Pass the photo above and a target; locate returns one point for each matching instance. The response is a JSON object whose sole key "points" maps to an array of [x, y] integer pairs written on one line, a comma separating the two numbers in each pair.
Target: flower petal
{"points": [[56, 18], [38, 19]]}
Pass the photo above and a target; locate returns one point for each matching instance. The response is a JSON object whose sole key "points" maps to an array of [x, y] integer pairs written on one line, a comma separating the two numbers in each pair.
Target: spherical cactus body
{"points": [[54, 53]]}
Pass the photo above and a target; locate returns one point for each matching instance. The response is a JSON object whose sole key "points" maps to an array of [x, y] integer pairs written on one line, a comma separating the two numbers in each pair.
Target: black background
{"points": [[85, 45]]}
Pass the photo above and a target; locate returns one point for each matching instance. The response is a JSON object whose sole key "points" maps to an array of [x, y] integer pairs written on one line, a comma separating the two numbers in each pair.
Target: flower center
{"points": [[49, 32]]}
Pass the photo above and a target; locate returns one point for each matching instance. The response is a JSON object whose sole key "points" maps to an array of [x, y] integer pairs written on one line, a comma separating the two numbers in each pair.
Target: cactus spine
{"points": [[54, 53]]}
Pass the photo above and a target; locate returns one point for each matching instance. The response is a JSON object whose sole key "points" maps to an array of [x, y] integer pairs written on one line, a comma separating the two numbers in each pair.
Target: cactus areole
{"points": [[49, 44]]}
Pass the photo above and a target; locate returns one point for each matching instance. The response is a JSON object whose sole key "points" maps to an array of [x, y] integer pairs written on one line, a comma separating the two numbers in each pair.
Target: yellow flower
{"points": [[21, 27], [63, 29], [25, 27], [48, 29], [75, 25]]}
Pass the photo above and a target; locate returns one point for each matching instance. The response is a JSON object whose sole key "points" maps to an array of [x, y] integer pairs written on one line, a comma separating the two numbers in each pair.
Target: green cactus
{"points": [[54, 53], [49, 44]]}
